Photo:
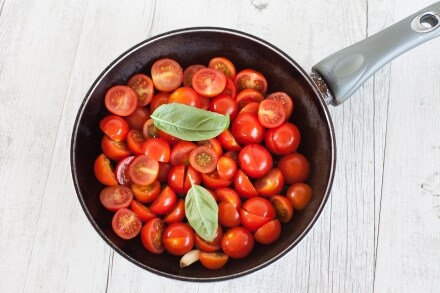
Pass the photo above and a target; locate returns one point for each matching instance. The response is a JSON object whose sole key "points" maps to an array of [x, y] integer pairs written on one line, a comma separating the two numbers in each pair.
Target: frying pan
{"points": [[332, 81]]}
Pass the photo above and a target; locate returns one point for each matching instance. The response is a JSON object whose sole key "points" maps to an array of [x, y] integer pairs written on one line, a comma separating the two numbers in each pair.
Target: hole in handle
{"points": [[426, 22], [429, 21]]}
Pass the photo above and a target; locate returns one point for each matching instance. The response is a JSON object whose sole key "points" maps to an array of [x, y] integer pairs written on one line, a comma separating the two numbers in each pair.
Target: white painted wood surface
{"points": [[380, 231]]}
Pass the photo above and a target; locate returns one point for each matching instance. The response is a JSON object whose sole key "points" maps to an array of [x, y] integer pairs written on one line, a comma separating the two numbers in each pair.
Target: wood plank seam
{"points": [[109, 269]]}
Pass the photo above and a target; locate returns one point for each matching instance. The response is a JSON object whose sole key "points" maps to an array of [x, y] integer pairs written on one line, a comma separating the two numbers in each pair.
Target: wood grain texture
{"points": [[380, 230]]}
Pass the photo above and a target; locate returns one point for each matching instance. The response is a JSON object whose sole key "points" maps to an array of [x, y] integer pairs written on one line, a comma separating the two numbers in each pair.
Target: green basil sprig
{"points": [[201, 210], [189, 123]]}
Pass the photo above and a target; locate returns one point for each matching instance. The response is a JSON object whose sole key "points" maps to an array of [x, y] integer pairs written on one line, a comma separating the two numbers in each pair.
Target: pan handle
{"points": [[346, 70]]}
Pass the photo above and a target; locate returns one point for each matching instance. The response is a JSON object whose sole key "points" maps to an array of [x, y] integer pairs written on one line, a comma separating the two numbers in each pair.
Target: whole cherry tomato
{"points": [[255, 160], [237, 242]]}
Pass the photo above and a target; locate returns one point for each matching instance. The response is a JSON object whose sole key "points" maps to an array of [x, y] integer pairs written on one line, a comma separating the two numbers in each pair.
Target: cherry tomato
{"points": [[164, 169], [177, 213], [149, 130], [283, 139], [209, 82], [210, 246], [251, 79], [168, 137], [203, 159], [184, 95], [224, 104], [165, 202], [269, 232], [204, 102], [152, 234], [126, 224], [227, 141], [255, 160], [226, 167], [285, 100], [255, 212], [233, 155], [104, 171], [143, 170], [189, 73], [180, 153], [243, 185], [114, 150], [167, 75], [247, 129], [121, 170], [228, 215], [157, 149], [283, 208], [271, 113], [248, 96], [178, 238], [237, 242], [143, 213], [158, 100], [252, 107], [135, 140], [146, 193], [213, 180], [230, 88], [299, 195], [271, 184], [295, 168], [121, 100], [137, 119], [114, 127], [179, 178], [114, 198], [213, 260], [214, 144], [229, 195], [224, 65], [143, 86]]}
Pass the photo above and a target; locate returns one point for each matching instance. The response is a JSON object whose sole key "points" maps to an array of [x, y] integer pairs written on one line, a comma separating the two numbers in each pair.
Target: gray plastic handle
{"points": [[346, 70]]}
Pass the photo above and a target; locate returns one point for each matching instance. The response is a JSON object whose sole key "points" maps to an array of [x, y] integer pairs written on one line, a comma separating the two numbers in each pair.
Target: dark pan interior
{"points": [[199, 45]]}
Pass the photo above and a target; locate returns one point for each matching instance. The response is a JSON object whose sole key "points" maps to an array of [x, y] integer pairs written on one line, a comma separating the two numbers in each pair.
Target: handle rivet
{"points": [[426, 22]]}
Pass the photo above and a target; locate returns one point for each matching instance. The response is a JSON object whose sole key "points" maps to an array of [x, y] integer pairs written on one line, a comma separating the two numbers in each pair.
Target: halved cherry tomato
{"points": [[226, 167], [212, 180], [143, 213], [255, 212], [271, 113], [126, 224], [243, 185], [230, 88], [189, 73], [224, 104], [228, 216], [180, 153], [137, 119], [165, 202], [209, 82], [252, 107], [167, 75], [149, 130], [229, 195], [224, 65], [121, 170], [204, 102], [213, 260], [247, 129], [203, 159], [269, 232], [158, 100], [248, 96], [271, 184], [152, 234], [210, 246], [104, 171], [146, 193], [157, 149], [177, 213], [283, 208], [114, 127], [135, 140], [251, 79], [121, 100], [214, 144], [295, 168], [299, 195], [237, 242], [185, 95], [283, 139], [227, 141], [164, 169], [180, 177], [143, 86], [285, 100], [233, 155], [143, 170], [114, 150], [114, 198], [255, 160], [178, 238]]}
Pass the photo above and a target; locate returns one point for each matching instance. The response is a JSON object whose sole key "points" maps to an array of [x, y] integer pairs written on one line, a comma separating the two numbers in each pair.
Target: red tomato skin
{"points": [[188, 74], [113, 149], [213, 180], [224, 104], [165, 202], [121, 171], [237, 242], [230, 88], [185, 95], [180, 153], [179, 178], [213, 260], [146, 193], [228, 142], [178, 238], [137, 119], [247, 96], [212, 143], [269, 232], [224, 65], [164, 170], [295, 168], [229, 195], [119, 224], [256, 212], [114, 127], [285, 100], [135, 139], [157, 149], [283, 208], [228, 215], [283, 139], [243, 185], [255, 160], [247, 129], [271, 184], [143, 213], [299, 195], [158, 100], [177, 213], [104, 171], [226, 167], [152, 234], [209, 246]]}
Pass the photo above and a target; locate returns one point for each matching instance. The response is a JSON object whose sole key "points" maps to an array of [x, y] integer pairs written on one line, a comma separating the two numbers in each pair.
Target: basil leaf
{"points": [[201, 210], [189, 123]]}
